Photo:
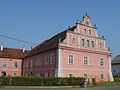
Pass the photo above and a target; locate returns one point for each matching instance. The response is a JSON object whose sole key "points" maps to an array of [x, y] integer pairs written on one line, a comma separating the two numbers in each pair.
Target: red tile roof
{"points": [[13, 53], [50, 44]]}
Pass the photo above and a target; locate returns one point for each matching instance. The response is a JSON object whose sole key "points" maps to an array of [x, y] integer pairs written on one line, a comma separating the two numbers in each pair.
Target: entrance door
{"points": [[3, 73]]}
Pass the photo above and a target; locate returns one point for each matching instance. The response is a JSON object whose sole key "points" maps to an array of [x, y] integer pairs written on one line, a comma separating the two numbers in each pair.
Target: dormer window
{"points": [[85, 31]]}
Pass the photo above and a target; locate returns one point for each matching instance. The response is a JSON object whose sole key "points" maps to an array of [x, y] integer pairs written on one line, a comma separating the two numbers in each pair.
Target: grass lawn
{"points": [[107, 83]]}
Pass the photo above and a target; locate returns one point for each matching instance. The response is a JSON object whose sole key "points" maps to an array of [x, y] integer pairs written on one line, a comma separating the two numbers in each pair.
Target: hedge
{"points": [[40, 81]]}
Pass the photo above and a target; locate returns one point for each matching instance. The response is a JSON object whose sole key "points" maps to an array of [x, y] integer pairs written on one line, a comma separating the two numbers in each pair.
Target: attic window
{"points": [[87, 23], [73, 41]]}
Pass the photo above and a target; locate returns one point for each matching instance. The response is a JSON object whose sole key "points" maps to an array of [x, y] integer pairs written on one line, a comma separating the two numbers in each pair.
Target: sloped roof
{"points": [[50, 44], [13, 53], [116, 60]]}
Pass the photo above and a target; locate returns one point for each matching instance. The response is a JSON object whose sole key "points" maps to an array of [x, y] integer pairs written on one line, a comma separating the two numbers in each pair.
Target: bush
{"points": [[117, 79], [93, 81], [40, 81]]}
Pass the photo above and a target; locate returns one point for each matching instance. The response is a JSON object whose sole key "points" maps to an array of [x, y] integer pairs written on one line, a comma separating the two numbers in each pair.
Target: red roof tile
{"points": [[50, 44], [13, 53]]}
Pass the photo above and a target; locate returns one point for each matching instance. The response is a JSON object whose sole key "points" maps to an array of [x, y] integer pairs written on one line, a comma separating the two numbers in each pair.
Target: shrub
{"points": [[40, 81], [93, 81]]}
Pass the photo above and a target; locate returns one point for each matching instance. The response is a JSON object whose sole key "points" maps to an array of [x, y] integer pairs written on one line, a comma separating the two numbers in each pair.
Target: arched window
{"points": [[88, 43], [73, 41], [92, 43], [85, 31], [89, 32], [100, 45], [83, 42]]}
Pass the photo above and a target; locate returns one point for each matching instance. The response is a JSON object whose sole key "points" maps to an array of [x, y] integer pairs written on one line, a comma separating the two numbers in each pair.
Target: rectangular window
{"points": [[26, 64], [70, 75], [101, 62], [31, 63], [86, 76], [46, 60], [37, 74], [70, 59], [38, 62], [46, 74], [52, 59], [15, 65], [5, 64], [52, 74], [102, 76], [85, 60]]}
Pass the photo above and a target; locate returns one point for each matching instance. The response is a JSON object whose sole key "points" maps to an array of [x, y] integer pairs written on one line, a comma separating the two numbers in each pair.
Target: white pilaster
{"points": [[59, 69], [110, 71]]}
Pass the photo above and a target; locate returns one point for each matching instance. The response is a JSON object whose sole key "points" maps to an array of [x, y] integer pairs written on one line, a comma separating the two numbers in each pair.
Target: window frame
{"points": [[70, 74], [101, 62], [92, 44], [47, 57], [86, 60], [52, 58], [69, 58], [88, 43], [102, 76], [4, 64], [14, 65], [85, 31], [83, 42], [38, 61]]}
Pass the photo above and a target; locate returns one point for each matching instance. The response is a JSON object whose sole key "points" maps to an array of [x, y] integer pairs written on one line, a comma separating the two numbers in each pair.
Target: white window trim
{"points": [[51, 58], [87, 76], [100, 62], [14, 65], [70, 73], [40, 62], [88, 60], [48, 60], [73, 59], [16, 73], [103, 76], [46, 74], [5, 62]]}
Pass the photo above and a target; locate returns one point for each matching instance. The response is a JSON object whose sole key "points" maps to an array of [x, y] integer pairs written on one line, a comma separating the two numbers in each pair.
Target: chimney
{"points": [[23, 49], [1, 48]]}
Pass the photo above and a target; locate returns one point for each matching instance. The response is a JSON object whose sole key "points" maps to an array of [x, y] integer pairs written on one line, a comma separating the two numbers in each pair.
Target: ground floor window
{"points": [[70, 75], [15, 74], [86, 76], [37, 74], [46, 74], [102, 76], [52, 74]]}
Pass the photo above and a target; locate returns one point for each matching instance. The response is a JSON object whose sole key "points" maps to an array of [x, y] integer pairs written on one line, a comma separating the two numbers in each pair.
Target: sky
{"points": [[37, 20]]}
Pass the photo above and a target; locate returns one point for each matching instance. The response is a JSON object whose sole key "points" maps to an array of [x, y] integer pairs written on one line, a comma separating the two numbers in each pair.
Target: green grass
{"points": [[107, 83]]}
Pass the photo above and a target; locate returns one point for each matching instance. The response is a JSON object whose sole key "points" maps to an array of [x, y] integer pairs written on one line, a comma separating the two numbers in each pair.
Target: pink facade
{"points": [[10, 67], [11, 61], [77, 52]]}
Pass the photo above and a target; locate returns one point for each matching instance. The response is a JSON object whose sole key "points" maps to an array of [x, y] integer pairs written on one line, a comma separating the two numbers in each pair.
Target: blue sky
{"points": [[38, 20]]}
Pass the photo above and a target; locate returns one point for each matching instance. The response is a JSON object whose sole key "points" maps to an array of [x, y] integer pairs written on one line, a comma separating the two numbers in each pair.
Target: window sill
{"points": [[88, 65]]}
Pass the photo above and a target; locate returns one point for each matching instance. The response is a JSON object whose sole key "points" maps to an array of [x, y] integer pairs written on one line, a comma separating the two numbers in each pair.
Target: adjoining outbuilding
{"points": [[116, 66]]}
